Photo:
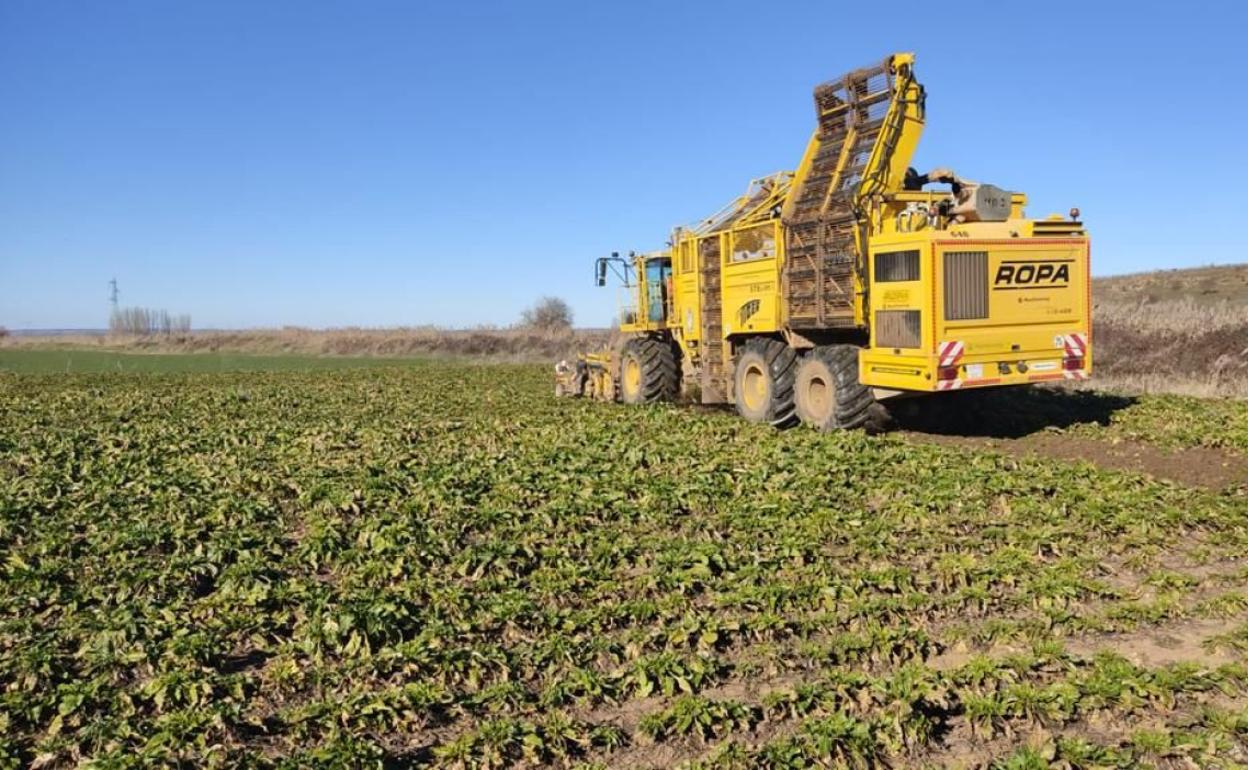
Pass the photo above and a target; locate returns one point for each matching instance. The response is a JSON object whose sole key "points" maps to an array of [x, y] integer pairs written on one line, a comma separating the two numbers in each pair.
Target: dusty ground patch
{"points": [[1196, 466]]}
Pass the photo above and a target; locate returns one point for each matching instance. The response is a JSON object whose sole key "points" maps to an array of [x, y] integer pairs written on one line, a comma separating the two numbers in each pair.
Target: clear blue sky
{"points": [[379, 163]]}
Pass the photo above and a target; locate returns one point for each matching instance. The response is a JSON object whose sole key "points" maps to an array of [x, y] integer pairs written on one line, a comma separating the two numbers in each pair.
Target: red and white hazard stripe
{"points": [[948, 384], [1076, 345], [950, 353], [1076, 374]]}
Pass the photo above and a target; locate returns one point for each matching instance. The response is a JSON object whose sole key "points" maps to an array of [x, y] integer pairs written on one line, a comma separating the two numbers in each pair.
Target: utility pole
{"points": [[112, 298]]}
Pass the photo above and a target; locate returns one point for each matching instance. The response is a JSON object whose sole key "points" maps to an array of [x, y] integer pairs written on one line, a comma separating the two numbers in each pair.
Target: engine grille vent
{"points": [[966, 285], [897, 328], [896, 266]]}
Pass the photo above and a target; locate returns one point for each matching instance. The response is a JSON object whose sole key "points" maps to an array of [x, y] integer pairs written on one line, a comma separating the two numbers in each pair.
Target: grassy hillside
{"points": [[1173, 330], [1205, 285]]}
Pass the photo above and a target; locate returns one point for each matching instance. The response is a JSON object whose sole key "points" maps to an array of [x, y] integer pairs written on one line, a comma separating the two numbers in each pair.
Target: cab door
{"points": [[658, 289]]}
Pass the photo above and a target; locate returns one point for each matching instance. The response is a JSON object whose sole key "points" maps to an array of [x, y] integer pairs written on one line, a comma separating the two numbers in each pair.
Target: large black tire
{"points": [[829, 394], [649, 371], [763, 382]]}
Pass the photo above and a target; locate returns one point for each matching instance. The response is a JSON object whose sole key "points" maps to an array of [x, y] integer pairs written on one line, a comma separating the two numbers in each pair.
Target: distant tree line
{"points": [[142, 320]]}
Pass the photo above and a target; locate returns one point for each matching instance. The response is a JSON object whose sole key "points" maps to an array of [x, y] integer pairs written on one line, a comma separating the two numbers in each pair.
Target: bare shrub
{"points": [[144, 321], [549, 314]]}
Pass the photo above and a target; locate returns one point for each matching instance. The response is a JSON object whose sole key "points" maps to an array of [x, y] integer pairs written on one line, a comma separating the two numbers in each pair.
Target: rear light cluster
{"points": [[953, 372]]}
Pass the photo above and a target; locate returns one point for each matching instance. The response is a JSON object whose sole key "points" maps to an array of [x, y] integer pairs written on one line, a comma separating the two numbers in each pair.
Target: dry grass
{"points": [[1173, 331], [517, 344], [1167, 316], [1211, 284], [1204, 386]]}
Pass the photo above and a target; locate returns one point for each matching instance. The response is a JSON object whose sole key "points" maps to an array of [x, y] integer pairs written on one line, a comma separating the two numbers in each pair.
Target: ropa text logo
{"points": [[1032, 275]]}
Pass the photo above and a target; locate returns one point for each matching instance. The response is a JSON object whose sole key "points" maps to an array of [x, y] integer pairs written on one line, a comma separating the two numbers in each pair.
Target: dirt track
{"points": [[1040, 422], [1199, 466]]}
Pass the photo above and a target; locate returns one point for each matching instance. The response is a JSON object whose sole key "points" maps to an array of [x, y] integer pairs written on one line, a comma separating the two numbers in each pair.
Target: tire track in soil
{"points": [[1204, 467]]}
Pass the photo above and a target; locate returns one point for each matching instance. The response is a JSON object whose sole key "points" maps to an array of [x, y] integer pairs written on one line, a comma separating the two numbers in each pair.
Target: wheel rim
{"points": [[754, 387], [632, 376], [818, 395]]}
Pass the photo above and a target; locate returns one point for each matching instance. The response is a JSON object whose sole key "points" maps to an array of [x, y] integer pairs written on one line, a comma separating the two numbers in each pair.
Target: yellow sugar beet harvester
{"points": [[823, 291]]}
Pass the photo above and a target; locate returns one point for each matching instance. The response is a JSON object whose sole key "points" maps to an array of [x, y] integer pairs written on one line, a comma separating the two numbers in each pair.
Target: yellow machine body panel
{"points": [[751, 279], [958, 312], [686, 319]]}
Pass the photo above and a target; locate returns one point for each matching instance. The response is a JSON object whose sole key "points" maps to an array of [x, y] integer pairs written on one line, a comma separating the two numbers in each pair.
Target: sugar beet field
{"points": [[442, 565]]}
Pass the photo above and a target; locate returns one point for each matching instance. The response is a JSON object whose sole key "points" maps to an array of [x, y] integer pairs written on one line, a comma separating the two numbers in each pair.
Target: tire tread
{"points": [[781, 361], [660, 372], [855, 406]]}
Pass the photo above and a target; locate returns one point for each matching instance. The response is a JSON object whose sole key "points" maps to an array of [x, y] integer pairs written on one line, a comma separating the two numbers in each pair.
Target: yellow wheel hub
{"points": [[632, 375], [754, 387], [818, 395]]}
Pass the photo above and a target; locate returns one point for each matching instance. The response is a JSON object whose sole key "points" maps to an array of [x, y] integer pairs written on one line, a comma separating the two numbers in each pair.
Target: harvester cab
{"points": [[655, 298], [825, 290], [645, 287]]}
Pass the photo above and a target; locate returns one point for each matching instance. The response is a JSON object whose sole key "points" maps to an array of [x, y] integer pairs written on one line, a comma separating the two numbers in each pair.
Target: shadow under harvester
{"points": [[1007, 412]]}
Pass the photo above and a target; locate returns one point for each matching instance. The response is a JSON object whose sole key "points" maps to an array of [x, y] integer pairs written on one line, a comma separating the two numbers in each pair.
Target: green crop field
{"points": [[77, 361], [443, 565]]}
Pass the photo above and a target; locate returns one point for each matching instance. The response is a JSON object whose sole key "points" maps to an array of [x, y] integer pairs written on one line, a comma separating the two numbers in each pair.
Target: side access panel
{"points": [[751, 287], [686, 317], [901, 280]]}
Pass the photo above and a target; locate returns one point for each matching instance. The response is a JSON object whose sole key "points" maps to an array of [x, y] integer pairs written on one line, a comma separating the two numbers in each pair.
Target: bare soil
{"points": [[1157, 646], [1209, 468]]}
